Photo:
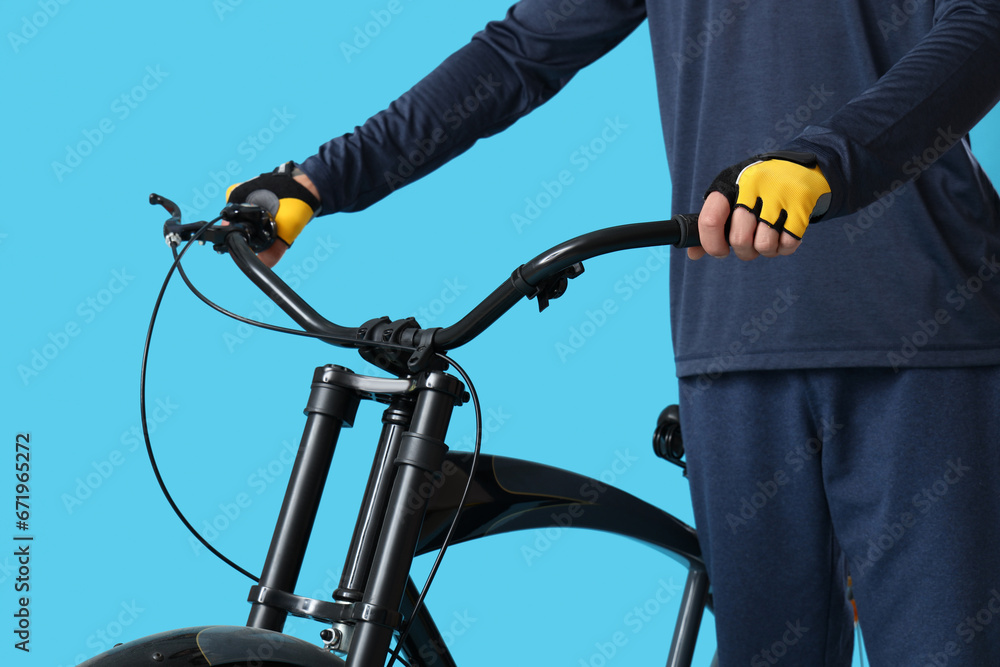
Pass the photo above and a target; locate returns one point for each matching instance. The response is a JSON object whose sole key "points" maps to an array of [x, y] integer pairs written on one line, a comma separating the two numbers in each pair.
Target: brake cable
{"points": [[142, 406], [474, 396], [458, 510]]}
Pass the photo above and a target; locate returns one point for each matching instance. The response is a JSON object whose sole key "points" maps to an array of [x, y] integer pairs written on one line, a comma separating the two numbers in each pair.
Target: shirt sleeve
{"points": [[921, 107], [508, 69]]}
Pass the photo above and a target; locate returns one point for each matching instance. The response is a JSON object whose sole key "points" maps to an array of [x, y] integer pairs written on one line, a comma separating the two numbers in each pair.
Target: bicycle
{"points": [[420, 496]]}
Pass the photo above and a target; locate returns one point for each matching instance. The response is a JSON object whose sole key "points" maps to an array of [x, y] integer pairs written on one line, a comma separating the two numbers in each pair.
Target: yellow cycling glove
{"points": [[785, 190], [289, 202]]}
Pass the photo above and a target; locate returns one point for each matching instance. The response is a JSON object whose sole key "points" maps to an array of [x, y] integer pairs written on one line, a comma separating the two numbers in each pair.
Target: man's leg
{"points": [[754, 447], [913, 480]]}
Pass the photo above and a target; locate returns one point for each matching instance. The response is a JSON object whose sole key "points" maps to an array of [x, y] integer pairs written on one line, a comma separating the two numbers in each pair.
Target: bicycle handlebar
{"points": [[533, 278], [278, 291], [543, 277]]}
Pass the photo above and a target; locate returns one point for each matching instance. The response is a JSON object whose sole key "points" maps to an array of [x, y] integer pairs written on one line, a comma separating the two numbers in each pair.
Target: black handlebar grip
{"points": [[688, 226]]}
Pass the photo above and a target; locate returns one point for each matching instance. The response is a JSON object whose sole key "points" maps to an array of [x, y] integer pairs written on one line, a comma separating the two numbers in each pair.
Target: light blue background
{"points": [[172, 98]]}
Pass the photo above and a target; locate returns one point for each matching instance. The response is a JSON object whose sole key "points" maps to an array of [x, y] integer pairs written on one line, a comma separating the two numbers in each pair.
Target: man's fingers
{"points": [[770, 243], [271, 256], [742, 234], [712, 224], [766, 240], [748, 237], [788, 244]]}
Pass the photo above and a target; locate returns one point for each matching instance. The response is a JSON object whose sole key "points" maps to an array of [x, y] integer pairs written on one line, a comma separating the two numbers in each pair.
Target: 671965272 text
{"points": [[22, 541]]}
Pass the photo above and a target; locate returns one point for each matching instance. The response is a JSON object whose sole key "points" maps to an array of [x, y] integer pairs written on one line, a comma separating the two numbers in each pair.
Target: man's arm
{"points": [[508, 69], [924, 104]]}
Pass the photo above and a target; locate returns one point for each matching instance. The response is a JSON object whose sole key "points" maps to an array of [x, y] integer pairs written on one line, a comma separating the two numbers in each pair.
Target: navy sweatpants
{"points": [[799, 477]]}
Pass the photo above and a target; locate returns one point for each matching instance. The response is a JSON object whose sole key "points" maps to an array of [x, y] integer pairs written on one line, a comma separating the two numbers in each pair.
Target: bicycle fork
{"points": [[376, 572]]}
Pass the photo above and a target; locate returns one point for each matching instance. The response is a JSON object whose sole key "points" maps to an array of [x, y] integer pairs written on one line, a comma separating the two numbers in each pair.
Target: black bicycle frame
{"points": [[396, 520], [416, 485], [409, 503], [369, 604]]}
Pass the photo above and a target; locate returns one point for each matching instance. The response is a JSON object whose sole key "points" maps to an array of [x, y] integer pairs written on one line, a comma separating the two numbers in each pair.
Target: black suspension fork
{"points": [[357, 565], [420, 455], [330, 408]]}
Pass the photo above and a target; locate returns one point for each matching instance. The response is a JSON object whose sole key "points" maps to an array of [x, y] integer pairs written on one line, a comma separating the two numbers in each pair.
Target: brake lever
{"points": [[176, 232], [173, 209], [254, 222]]}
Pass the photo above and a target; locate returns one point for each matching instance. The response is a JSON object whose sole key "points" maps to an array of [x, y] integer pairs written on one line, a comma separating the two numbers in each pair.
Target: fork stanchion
{"points": [[329, 409], [421, 454], [358, 562]]}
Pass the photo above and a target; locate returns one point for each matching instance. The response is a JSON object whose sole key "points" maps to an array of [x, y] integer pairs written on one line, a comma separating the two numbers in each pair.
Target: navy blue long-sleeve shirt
{"points": [[903, 271]]}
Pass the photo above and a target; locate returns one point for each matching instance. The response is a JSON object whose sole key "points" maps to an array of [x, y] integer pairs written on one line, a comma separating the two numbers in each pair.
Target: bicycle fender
{"points": [[510, 494], [214, 645]]}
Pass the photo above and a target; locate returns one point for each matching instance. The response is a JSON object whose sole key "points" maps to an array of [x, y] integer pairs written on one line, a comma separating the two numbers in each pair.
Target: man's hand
{"points": [[771, 199], [288, 195]]}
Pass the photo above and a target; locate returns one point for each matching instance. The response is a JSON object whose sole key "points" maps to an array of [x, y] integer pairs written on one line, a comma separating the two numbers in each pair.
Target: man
{"points": [[840, 402]]}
